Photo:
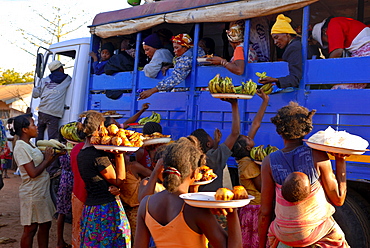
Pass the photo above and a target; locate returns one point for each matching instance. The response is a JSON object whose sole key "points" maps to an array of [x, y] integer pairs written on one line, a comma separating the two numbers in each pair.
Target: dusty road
{"points": [[10, 226]]}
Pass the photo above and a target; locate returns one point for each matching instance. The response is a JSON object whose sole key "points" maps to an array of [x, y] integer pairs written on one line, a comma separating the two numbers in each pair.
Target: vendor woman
{"points": [[285, 37]]}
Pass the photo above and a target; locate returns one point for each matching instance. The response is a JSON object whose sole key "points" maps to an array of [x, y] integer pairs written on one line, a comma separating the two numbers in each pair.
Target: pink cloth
{"points": [[305, 223], [248, 216]]}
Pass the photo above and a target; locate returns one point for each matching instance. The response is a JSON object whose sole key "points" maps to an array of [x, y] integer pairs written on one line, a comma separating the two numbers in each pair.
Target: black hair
{"points": [[93, 120], [152, 127], [209, 43], [16, 124], [110, 120], [326, 24], [202, 137], [183, 156], [293, 121], [296, 187], [239, 150]]}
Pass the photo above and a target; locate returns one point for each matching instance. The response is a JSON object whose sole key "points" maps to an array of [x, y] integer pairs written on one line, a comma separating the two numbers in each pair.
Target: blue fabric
{"points": [[57, 76], [183, 65], [299, 159], [292, 55], [98, 67]]}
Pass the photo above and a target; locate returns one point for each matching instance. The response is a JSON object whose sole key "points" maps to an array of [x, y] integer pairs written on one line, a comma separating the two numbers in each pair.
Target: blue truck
{"points": [[190, 105]]}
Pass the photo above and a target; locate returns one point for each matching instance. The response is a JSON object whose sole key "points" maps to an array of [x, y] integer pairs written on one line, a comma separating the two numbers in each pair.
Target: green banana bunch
{"points": [[267, 88], [249, 88], [69, 131], [261, 75], [269, 149], [155, 117], [258, 153], [213, 84]]}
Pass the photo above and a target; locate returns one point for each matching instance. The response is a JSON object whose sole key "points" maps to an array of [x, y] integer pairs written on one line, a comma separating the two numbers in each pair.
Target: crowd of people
{"points": [[132, 200]]}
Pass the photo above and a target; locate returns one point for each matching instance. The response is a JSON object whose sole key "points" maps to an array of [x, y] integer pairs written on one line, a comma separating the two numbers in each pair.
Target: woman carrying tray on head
{"points": [[170, 221], [309, 221], [103, 221]]}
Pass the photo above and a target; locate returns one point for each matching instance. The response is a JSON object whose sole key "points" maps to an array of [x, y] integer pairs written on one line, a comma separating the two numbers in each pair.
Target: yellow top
{"points": [[247, 171]]}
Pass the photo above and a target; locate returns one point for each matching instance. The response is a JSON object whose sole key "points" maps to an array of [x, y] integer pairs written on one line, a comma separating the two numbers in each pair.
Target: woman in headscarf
{"points": [[153, 48], [183, 49], [285, 37], [235, 35]]}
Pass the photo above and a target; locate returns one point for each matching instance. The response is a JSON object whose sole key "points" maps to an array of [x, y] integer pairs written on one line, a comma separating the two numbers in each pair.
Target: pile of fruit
{"points": [[155, 117], [58, 147], [220, 85], [112, 135], [259, 152], [69, 131]]}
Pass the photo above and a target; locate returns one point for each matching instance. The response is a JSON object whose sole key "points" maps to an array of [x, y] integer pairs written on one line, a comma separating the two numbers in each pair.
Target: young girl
{"points": [[37, 208], [103, 222], [170, 221], [250, 177]]}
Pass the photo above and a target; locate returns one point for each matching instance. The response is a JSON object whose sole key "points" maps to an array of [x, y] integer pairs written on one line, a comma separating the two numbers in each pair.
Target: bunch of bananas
{"points": [[58, 147], [155, 117], [267, 88], [224, 85], [69, 131], [261, 75], [259, 152]]}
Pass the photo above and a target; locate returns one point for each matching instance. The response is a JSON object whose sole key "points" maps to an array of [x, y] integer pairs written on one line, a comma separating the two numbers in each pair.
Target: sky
{"points": [[15, 14]]}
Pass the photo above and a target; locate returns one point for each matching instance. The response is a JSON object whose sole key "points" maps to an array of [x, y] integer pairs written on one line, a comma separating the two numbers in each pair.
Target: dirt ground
{"points": [[10, 226]]}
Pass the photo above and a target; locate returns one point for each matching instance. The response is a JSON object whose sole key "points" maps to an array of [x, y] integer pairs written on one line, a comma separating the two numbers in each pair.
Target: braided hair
{"points": [[180, 160], [92, 121]]}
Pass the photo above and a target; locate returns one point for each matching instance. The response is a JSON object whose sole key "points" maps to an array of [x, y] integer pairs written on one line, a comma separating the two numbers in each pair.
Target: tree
{"points": [[59, 23], [11, 77]]}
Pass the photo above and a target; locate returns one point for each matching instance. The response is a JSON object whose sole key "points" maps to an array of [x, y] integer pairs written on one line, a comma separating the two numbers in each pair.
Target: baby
{"points": [[106, 52], [296, 187]]}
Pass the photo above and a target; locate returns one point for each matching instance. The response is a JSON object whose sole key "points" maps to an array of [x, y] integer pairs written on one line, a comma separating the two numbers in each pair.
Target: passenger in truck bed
{"points": [[153, 48], [183, 48], [122, 61], [343, 37], [106, 52], [235, 35], [285, 37]]}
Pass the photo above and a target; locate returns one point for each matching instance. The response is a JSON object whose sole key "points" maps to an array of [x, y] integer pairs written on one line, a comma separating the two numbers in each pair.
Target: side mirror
{"points": [[40, 65]]}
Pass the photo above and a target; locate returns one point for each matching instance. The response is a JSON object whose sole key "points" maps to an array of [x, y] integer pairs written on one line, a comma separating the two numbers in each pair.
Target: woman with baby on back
{"points": [[170, 221], [308, 220]]}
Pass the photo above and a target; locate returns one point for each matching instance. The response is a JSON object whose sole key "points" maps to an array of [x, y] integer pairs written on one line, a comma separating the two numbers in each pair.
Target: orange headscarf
{"points": [[183, 40]]}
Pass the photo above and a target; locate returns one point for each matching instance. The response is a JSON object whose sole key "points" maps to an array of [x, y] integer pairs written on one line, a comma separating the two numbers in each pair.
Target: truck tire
{"points": [[354, 219]]}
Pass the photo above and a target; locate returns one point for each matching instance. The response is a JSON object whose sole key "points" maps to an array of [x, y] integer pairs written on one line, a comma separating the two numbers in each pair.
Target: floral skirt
{"points": [[248, 217], [106, 226]]}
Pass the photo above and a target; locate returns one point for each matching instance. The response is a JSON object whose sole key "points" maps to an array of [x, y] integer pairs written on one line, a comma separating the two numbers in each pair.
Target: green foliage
{"points": [[11, 77]]}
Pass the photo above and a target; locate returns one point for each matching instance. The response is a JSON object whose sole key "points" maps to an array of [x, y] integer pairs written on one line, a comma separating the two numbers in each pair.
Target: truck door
{"points": [[66, 55]]}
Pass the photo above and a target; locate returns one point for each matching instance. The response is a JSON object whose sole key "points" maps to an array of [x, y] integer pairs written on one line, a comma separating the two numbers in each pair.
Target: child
{"points": [[250, 177], [296, 187], [170, 221], [6, 159], [36, 206], [106, 52], [217, 156]]}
